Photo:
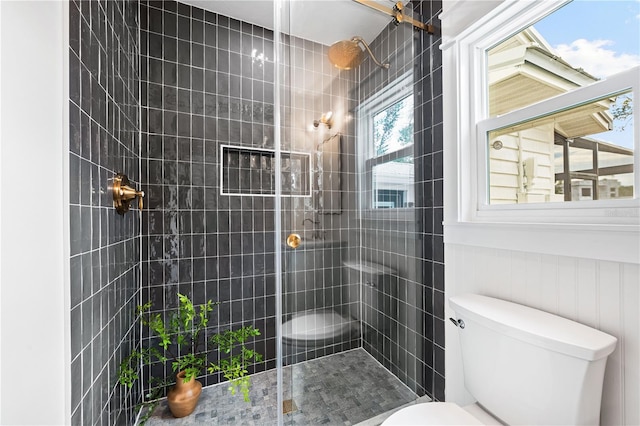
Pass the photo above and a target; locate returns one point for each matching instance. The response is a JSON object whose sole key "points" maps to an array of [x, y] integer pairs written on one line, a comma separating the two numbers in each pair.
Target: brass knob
{"points": [[123, 194], [294, 240]]}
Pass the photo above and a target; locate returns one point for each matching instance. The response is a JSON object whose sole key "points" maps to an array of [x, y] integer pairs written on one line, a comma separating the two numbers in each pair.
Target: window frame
{"points": [[593, 230], [507, 21], [626, 80], [394, 92]]}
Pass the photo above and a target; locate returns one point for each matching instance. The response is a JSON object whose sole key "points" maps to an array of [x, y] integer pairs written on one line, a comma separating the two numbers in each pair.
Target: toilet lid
{"points": [[432, 413]]}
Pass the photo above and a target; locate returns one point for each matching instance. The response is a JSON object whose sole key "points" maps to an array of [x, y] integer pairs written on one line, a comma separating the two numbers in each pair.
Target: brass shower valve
{"points": [[123, 194]]}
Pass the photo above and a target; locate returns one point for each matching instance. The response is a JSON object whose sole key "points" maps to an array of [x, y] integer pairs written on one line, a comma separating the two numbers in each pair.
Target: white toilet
{"points": [[523, 366]]}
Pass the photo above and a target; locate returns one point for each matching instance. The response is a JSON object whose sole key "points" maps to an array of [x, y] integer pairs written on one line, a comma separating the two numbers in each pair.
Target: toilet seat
{"points": [[432, 413], [317, 327]]}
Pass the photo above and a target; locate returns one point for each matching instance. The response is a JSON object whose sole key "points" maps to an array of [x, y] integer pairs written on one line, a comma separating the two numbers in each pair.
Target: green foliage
{"points": [[152, 399], [234, 368], [191, 364], [128, 373], [622, 111], [386, 125], [385, 121], [406, 135], [181, 342]]}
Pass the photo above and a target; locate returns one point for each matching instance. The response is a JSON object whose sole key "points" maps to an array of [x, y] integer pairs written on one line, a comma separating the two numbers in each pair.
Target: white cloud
{"points": [[596, 57]]}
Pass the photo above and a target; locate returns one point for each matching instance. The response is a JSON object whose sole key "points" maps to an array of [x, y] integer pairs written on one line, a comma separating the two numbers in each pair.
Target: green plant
{"points": [[234, 368], [182, 344]]}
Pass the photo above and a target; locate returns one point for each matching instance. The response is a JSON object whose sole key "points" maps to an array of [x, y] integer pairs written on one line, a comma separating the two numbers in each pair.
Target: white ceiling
{"points": [[322, 21]]}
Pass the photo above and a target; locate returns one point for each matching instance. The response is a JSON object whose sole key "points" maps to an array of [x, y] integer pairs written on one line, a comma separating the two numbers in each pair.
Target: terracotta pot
{"points": [[183, 397]]}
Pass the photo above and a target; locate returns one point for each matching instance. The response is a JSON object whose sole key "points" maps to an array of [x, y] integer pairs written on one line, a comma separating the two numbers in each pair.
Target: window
{"points": [[541, 159], [528, 166], [547, 118], [386, 141], [560, 124]]}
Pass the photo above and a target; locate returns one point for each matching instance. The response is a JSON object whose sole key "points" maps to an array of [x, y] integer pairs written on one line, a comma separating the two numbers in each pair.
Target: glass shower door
{"points": [[339, 310], [319, 224]]}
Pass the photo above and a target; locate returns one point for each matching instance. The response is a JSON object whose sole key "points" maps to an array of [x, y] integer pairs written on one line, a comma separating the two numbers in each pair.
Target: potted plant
{"points": [[182, 344]]}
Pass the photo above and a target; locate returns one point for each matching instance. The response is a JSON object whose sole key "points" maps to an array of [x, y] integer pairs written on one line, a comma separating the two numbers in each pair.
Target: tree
{"points": [[622, 111], [386, 127], [384, 123]]}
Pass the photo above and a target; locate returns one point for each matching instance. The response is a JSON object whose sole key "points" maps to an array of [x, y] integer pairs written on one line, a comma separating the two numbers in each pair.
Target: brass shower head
{"points": [[347, 54]]}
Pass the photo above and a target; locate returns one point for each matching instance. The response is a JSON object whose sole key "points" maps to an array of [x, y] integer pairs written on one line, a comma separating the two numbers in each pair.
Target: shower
{"points": [[347, 54], [248, 129]]}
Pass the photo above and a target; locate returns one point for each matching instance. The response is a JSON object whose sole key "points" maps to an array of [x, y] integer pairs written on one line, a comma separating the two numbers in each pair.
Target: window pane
{"points": [[582, 158], [393, 184], [562, 156], [560, 53], [393, 127]]}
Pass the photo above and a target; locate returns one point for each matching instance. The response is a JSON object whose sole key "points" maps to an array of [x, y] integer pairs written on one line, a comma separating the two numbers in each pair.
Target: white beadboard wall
{"points": [[602, 294]]}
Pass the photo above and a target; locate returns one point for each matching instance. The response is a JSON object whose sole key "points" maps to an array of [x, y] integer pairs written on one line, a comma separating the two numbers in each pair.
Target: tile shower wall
{"points": [[104, 263], [401, 323], [327, 220], [207, 82], [429, 191]]}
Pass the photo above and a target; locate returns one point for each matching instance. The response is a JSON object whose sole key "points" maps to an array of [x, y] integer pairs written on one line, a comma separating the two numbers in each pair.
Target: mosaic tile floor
{"points": [[341, 389]]}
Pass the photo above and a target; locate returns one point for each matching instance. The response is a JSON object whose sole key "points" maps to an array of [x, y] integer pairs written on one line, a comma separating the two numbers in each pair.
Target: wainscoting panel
{"points": [[601, 294]]}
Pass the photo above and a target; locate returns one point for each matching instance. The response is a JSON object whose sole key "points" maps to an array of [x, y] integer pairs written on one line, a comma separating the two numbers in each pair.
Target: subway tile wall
{"points": [[104, 263], [392, 306], [429, 186], [401, 325], [206, 84], [326, 220]]}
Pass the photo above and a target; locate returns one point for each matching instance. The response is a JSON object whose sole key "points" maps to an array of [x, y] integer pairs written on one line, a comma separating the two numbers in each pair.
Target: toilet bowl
{"points": [[523, 366], [441, 413], [316, 329]]}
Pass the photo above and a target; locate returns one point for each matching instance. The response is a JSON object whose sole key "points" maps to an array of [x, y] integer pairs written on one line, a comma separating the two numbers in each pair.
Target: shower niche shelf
{"points": [[249, 171], [369, 268]]}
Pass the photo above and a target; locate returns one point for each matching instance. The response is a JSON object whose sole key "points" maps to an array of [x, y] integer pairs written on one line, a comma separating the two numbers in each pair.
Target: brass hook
{"points": [[123, 194]]}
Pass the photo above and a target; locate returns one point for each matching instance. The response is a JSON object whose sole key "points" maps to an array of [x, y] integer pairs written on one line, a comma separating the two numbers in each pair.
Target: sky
{"points": [[600, 36]]}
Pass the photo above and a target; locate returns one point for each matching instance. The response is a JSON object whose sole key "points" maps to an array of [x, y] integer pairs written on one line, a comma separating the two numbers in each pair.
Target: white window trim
{"points": [[394, 92], [607, 230]]}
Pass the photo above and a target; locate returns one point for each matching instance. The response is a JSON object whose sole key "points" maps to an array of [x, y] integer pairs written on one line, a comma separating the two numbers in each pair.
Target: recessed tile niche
{"points": [[251, 171]]}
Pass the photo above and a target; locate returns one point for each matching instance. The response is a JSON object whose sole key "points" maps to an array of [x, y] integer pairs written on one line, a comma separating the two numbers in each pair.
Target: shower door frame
{"points": [[278, 215]]}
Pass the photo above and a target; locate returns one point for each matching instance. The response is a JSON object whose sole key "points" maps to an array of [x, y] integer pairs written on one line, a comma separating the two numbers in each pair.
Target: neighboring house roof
{"points": [[524, 70]]}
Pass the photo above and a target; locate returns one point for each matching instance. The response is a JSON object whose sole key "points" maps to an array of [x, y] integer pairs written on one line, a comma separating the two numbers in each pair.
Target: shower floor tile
{"points": [[341, 389]]}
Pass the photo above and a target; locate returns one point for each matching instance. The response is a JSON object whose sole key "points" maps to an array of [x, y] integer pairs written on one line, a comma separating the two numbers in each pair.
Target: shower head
{"points": [[347, 54]]}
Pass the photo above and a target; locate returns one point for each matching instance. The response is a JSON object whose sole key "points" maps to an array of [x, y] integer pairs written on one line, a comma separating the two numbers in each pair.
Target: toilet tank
{"points": [[526, 366]]}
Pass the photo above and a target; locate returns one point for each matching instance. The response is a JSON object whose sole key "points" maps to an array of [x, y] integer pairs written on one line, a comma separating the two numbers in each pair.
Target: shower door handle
{"points": [[294, 240]]}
